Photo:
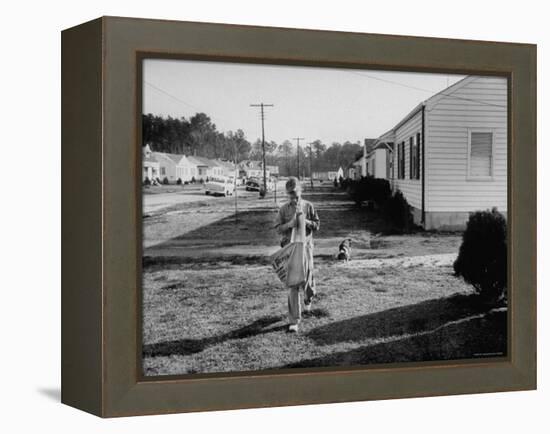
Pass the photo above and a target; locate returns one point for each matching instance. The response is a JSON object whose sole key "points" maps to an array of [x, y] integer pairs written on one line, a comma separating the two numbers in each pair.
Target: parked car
{"points": [[220, 185], [253, 184]]}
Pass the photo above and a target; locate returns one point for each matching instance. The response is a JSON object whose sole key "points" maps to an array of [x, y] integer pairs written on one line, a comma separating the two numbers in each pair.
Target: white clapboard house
{"points": [[228, 168], [150, 164], [448, 156], [168, 165], [206, 168], [176, 167]]}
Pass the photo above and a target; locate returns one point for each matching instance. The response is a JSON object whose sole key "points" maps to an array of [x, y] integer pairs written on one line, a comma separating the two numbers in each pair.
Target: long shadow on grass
{"points": [[478, 337], [184, 347], [424, 316]]}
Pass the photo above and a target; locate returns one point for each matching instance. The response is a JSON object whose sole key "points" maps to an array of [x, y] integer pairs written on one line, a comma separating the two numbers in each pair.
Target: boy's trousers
{"points": [[294, 306]]}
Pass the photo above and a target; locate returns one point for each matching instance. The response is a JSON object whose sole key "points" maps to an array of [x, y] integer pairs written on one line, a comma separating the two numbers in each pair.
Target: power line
{"points": [[425, 90], [175, 98], [311, 164]]}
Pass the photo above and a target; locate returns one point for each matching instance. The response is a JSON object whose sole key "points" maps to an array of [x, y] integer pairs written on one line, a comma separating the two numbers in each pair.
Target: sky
{"points": [[329, 104]]}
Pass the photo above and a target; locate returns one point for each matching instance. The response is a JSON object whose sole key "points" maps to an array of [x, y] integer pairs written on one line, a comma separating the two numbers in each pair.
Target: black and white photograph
{"points": [[319, 217]]}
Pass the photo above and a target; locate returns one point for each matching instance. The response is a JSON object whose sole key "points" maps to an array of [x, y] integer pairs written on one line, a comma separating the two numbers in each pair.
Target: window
{"points": [[163, 170], [480, 154], [401, 160], [414, 157]]}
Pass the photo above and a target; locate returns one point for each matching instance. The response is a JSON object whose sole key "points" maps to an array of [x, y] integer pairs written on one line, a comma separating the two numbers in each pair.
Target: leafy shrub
{"points": [[482, 256], [372, 189], [147, 181], [380, 191], [346, 184], [179, 181], [397, 212], [165, 181], [335, 182], [193, 180]]}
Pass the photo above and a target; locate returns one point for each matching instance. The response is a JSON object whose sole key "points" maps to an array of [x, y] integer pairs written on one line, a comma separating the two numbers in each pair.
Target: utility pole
{"points": [[311, 165], [262, 116], [236, 175], [287, 161], [298, 154]]}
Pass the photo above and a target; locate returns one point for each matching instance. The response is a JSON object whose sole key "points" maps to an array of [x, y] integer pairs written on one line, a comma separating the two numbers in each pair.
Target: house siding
{"points": [[411, 188], [380, 163], [448, 122], [168, 165], [214, 171], [186, 170]]}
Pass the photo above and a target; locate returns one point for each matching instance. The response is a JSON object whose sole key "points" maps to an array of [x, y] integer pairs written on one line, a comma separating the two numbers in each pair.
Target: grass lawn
{"points": [[212, 303]]}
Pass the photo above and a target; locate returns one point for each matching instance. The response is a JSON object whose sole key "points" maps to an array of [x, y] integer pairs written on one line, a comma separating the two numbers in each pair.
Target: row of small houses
{"points": [[174, 167], [448, 156]]}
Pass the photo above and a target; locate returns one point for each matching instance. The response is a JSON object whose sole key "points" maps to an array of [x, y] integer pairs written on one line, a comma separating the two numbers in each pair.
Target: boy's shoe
{"points": [[293, 328]]}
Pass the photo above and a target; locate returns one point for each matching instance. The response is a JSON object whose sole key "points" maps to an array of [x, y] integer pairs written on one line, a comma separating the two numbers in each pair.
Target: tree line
{"points": [[199, 136]]}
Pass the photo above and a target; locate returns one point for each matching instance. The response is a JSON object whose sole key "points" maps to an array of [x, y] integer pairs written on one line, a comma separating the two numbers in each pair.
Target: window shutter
{"points": [[481, 148], [418, 156], [399, 161]]}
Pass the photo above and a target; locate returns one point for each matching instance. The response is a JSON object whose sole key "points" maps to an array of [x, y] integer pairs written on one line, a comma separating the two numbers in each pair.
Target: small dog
{"points": [[344, 250]]}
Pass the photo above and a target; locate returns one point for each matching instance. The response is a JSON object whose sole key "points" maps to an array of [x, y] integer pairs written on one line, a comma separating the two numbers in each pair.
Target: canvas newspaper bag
{"points": [[290, 262]]}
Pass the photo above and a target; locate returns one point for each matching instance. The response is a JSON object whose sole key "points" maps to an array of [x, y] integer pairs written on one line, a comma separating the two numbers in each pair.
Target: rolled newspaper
{"points": [[299, 232]]}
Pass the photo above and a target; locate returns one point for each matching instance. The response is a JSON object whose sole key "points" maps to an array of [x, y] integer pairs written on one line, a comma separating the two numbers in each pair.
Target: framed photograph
{"points": [[260, 216]]}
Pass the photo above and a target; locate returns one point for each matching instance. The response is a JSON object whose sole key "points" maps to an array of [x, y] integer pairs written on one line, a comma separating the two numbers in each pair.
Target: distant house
{"points": [[358, 168], [206, 168], [201, 167], [336, 175], [273, 170], [353, 170], [252, 168], [168, 165], [379, 161], [150, 164], [367, 149], [228, 168], [449, 153], [186, 169], [324, 175], [379, 158]]}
